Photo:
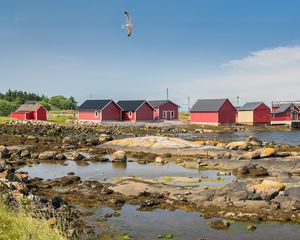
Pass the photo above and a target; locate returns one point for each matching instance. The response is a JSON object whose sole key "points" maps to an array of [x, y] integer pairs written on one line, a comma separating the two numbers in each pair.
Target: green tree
{"points": [[6, 107]]}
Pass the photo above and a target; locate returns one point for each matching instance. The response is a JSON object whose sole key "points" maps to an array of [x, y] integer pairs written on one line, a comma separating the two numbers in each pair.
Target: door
{"points": [[168, 115]]}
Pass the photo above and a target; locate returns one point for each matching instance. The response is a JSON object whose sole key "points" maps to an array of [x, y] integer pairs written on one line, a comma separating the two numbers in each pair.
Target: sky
{"points": [[195, 48]]}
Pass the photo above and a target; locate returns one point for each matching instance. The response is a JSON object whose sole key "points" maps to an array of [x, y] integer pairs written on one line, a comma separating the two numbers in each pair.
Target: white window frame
{"points": [[164, 114], [172, 114], [130, 114], [96, 114]]}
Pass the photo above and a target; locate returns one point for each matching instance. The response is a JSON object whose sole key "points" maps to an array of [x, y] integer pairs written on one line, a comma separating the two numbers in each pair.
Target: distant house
{"points": [[99, 110], [254, 113], [30, 112], [213, 112], [164, 110], [136, 110], [285, 113]]}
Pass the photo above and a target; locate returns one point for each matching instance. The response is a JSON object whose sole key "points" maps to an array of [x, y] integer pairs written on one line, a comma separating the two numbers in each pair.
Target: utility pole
{"points": [[167, 94], [189, 103], [238, 101], [91, 96]]}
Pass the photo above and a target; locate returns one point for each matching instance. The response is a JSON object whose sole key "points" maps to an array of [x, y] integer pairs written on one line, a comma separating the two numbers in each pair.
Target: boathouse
{"points": [[253, 113], [30, 112], [213, 112], [164, 109], [99, 110], [136, 110], [285, 114]]}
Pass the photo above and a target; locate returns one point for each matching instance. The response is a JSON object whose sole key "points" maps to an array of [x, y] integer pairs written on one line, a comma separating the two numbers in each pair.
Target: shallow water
{"points": [[188, 226], [106, 171], [288, 137]]}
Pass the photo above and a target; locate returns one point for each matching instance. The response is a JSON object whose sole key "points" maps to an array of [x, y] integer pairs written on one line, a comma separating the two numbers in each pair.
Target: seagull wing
{"points": [[128, 17], [130, 30]]}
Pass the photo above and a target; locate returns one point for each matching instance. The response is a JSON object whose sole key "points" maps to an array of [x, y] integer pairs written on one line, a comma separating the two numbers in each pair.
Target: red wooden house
{"points": [[254, 113], [99, 110], [213, 112], [285, 113], [164, 110], [136, 110], [30, 112]]}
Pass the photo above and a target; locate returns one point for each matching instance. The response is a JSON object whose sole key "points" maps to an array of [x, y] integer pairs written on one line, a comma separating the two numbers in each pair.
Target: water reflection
{"points": [[119, 165]]}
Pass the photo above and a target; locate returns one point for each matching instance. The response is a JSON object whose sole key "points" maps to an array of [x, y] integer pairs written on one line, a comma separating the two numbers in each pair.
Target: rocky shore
{"points": [[265, 187]]}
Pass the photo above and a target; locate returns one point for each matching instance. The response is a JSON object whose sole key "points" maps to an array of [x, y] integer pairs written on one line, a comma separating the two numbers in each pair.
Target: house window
{"points": [[172, 114], [164, 114], [96, 113], [130, 114]]}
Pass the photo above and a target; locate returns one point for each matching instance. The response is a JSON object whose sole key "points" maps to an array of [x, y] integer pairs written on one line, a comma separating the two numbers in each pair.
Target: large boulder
{"points": [[238, 145], [268, 152], [253, 170], [267, 189], [254, 141], [119, 156], [251, 155], [78, 156], [48, 155]]}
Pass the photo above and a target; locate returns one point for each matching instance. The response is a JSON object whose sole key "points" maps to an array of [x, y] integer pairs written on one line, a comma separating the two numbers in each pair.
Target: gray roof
{"points": [[131, 105], [158, 103], [29, 107], [208, 105], [94, 104], [283, 107], [250, 106]]}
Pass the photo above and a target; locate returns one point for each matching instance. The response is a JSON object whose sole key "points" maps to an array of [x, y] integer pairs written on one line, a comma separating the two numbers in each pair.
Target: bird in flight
{"points": [[128, 24]]}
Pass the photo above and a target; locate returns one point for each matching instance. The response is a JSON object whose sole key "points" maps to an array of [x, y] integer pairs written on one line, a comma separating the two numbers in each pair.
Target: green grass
{"points": [[62, 111], [4, 119], [59, 119], [19, 226]]}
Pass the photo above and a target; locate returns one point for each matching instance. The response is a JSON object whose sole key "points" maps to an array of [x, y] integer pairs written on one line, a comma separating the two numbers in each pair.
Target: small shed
{"points": [[136, 110], [164, 109], [285, 114], [254, 113], [213, 112], [99, 110], [30, 112]]}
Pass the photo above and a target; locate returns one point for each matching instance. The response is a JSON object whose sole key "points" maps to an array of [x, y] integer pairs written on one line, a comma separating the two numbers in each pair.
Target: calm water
{"points": [[289, 137], [189, 226], [107, 170]]}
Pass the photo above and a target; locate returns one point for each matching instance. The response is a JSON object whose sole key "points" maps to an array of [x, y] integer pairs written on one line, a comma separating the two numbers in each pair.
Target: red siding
{"points": [[145, 113], [262, 114], [18, 115], [111, 112], [227, 113], [167, 107], [204, 117], [156, 114], [40, 114], [125, 116], [84, 115]]}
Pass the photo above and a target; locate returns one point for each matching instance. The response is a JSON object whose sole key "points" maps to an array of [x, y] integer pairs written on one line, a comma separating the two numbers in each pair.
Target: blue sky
{"points": [[196, 48]]}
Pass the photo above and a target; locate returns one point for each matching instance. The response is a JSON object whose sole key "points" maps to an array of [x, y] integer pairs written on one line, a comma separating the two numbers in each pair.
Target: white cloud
{"points": [[269, 74]]}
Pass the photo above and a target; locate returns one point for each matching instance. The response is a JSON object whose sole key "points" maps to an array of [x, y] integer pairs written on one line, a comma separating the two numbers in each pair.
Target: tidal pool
{"points": [[108, 171], [186, 226]]}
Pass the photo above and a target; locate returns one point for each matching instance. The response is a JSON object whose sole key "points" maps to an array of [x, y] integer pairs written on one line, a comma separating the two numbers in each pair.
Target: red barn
{"points": [[213, 112], [99, 110], [136, 110], [285, 113], [30, 112], [164, 110], [254, 113]]}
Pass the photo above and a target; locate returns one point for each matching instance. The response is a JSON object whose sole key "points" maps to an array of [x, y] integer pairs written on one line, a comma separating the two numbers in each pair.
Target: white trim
{"points": [[130, 114], [106, 105], [172, 113], [101, 115], [158, 114]]}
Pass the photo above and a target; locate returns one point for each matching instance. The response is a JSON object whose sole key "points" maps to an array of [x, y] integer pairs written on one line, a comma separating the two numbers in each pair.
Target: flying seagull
{"points": [[128, 24]]}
